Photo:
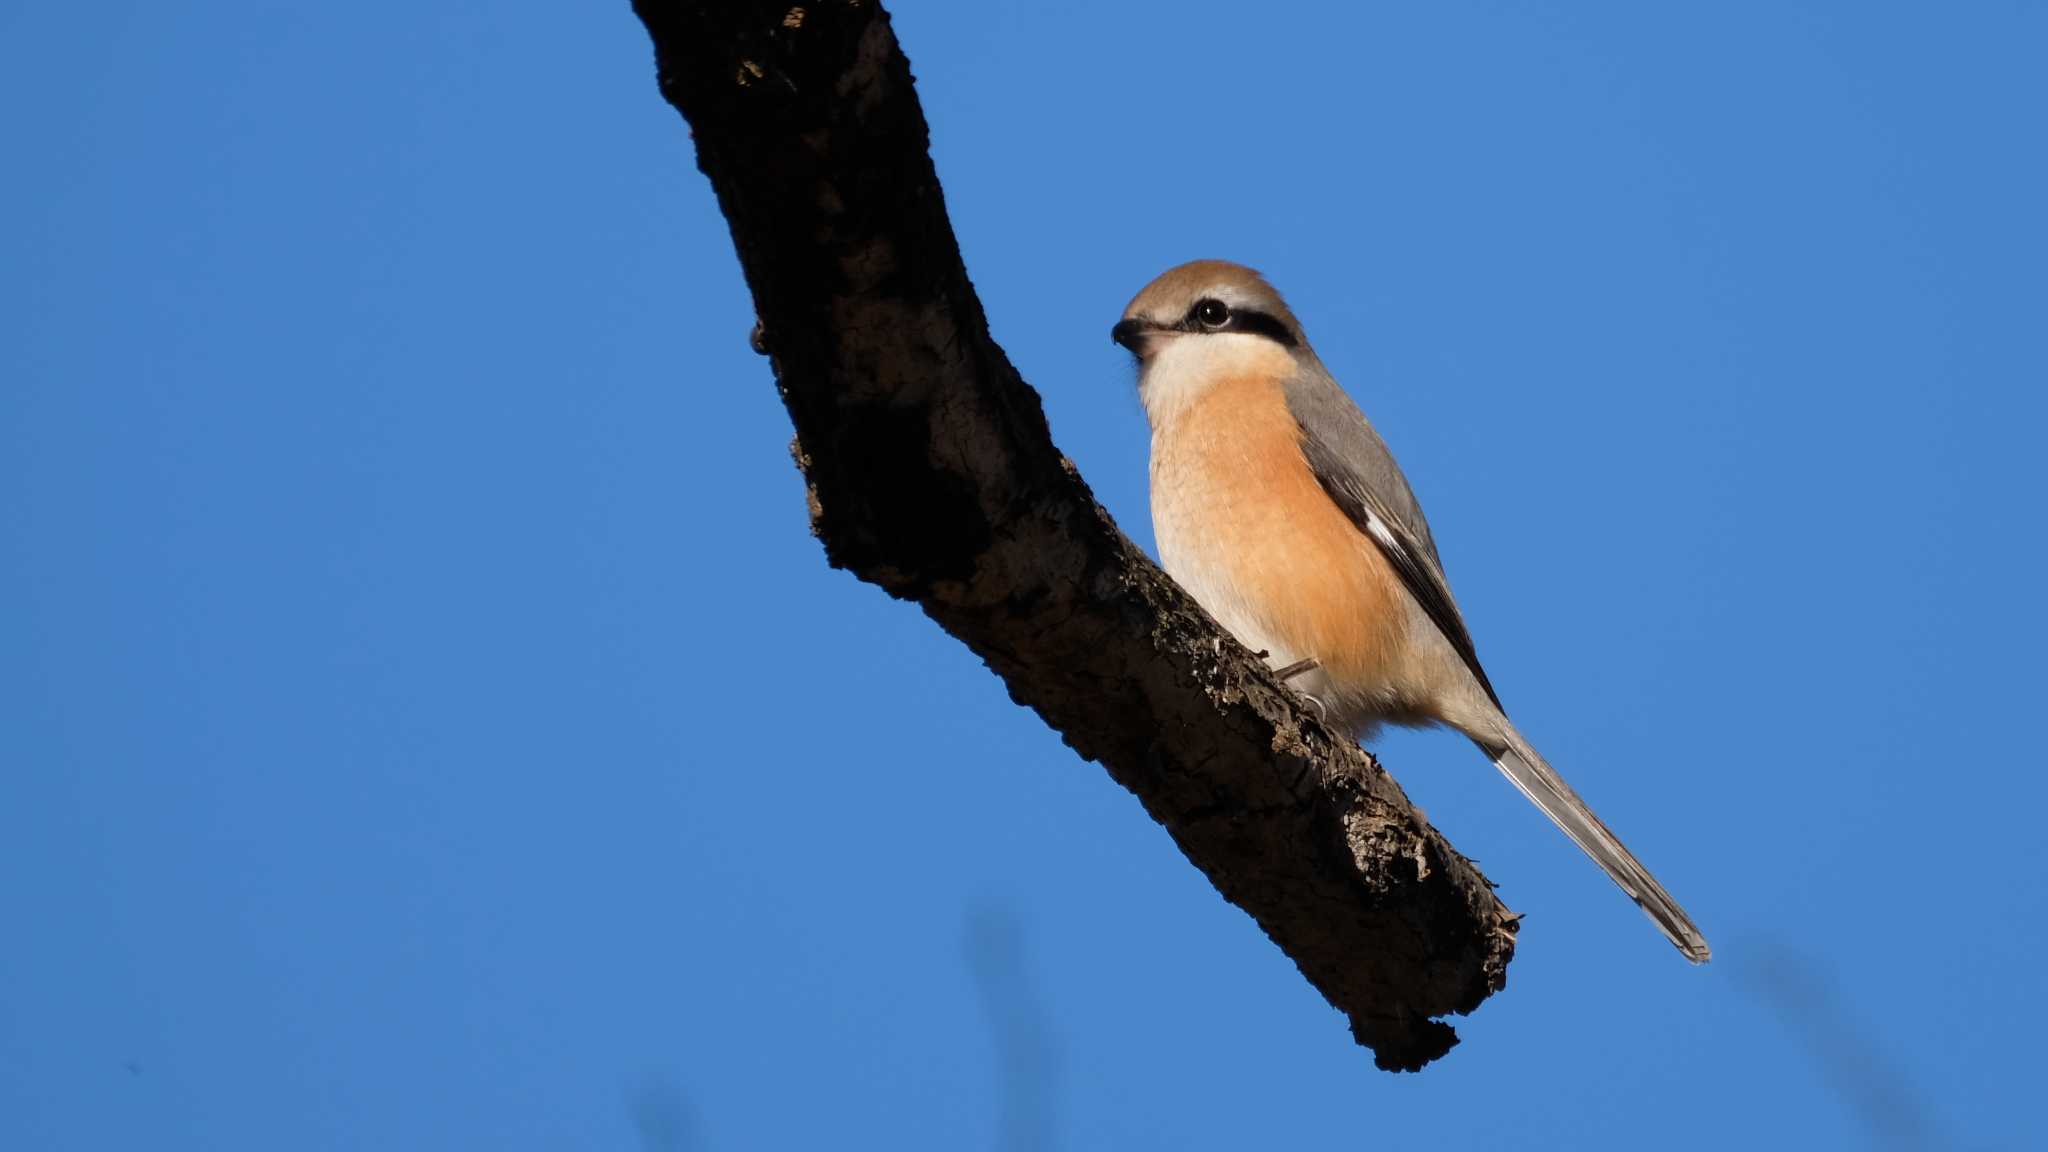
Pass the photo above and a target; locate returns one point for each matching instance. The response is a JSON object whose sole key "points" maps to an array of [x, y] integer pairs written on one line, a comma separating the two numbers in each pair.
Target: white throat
{"points": [[1187, 365]]}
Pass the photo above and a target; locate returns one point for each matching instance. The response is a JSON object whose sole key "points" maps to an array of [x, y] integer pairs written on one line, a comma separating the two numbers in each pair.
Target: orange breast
{"points": [[1243, 524]]}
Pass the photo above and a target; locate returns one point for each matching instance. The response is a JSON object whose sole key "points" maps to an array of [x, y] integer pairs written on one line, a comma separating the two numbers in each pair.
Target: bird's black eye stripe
{"points": [[1264, 325], [1237, 320]]}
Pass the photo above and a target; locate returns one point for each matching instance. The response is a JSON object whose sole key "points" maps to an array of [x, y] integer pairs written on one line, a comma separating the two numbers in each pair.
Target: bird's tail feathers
{"points": [[1547, 790]]}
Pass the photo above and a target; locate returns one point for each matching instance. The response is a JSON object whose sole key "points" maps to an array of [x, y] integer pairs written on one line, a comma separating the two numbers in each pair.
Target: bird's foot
{"points": [[1298, 668]]}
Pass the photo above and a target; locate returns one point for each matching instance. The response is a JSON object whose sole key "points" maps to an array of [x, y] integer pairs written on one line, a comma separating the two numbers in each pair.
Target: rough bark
{"points": [[932, 473]]}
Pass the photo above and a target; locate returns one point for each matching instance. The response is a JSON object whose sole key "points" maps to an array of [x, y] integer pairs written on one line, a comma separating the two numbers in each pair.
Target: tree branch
{"points": [[932, 473]]}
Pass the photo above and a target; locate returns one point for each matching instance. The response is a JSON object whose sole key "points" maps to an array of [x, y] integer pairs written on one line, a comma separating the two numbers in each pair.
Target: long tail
{"points": [[1548, 791]]}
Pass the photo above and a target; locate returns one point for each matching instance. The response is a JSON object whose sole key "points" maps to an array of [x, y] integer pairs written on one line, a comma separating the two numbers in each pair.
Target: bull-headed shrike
{"points": [[1281, 511]]}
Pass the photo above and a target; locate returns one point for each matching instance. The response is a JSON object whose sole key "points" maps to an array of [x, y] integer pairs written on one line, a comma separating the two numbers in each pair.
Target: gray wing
{"points": [[1353, 465]]}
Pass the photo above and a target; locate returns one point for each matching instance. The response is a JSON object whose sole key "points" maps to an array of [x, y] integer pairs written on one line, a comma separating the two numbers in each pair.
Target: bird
{"points": [[1278, 507]]}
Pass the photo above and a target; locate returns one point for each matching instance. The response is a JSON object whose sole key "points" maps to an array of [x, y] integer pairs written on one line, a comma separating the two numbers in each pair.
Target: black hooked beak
{"points": [[1131, 333]]}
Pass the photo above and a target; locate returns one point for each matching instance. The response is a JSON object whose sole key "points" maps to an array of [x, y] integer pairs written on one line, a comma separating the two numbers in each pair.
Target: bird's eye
{"points": [[1212, 313]]}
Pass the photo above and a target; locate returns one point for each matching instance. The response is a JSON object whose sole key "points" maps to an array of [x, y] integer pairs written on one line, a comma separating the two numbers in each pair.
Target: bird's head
{"points": [[1203, 320]]}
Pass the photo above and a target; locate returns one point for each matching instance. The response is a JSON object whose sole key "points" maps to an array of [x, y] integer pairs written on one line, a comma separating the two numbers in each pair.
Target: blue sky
{"points": [[427, 722]]}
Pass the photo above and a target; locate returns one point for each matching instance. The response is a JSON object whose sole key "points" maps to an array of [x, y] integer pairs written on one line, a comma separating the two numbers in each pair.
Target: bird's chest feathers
{"points": [[1244, 525]]}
